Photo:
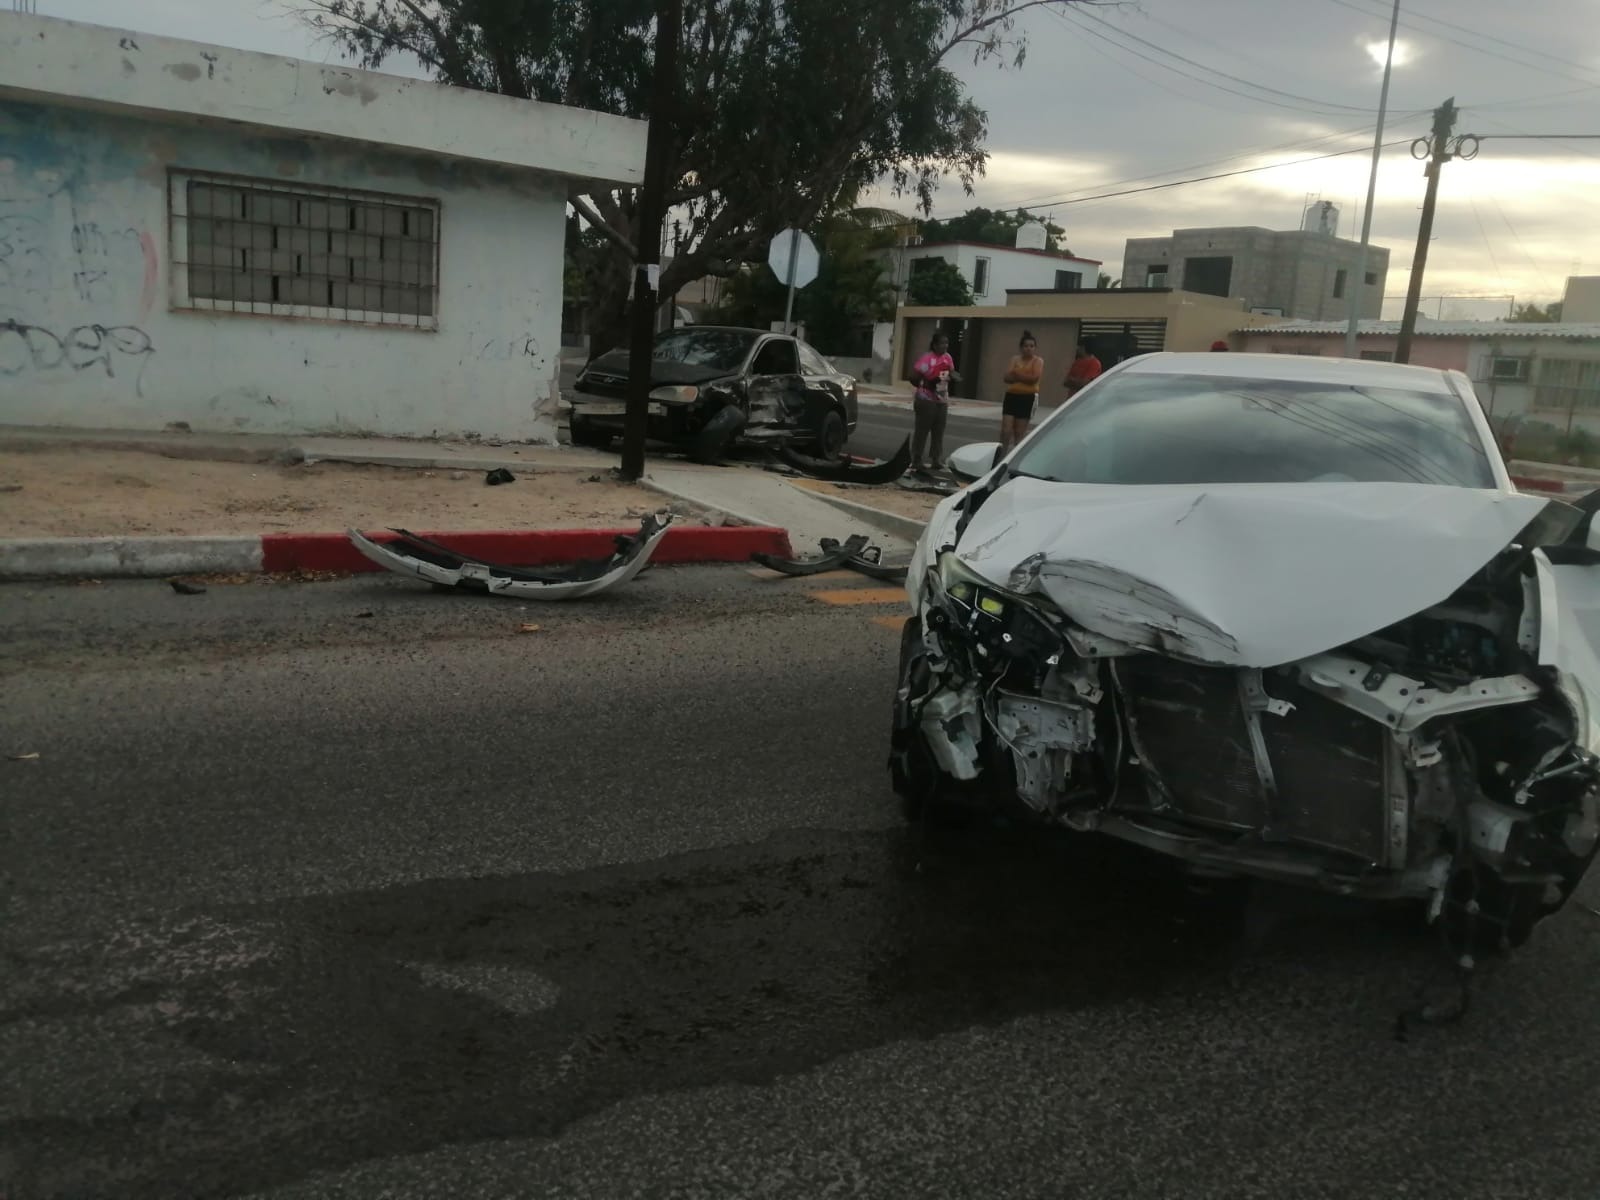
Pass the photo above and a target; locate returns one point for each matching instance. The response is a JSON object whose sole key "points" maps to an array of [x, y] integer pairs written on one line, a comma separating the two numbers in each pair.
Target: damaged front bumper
{"points": [[1340, 771], [418, 558]]}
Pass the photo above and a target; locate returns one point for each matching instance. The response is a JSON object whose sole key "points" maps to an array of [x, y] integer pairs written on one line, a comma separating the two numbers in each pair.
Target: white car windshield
{"points": [[1186, 429]]}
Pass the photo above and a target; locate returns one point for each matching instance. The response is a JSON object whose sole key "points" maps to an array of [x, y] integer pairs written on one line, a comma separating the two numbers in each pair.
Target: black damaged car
{"points": [[712, 387]]}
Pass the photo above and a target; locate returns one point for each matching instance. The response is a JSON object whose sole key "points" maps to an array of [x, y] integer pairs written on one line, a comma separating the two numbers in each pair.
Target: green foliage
{"points": [[937, 283], [783, 110], [990, 228], [1532, 313], [851, 291]]}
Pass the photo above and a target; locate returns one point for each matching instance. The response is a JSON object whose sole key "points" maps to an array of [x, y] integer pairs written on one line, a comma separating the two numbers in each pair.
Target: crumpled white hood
{"points": [[1247, 575]]}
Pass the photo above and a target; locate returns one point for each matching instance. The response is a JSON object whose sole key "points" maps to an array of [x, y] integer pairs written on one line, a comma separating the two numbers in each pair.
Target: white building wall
{"points": [[1008, 269], [90, 336]]}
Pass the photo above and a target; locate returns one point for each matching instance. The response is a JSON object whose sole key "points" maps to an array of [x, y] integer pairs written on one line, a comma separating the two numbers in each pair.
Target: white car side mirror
{"points": [[976, 460]]}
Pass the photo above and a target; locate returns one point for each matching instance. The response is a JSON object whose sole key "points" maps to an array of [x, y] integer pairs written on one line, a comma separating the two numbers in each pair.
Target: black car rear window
{"points": [[1186, 429], [724, 349]]}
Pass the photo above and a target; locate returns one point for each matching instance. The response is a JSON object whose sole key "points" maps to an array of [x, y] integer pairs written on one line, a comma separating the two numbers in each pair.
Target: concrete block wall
{"points": [[92, 334]]}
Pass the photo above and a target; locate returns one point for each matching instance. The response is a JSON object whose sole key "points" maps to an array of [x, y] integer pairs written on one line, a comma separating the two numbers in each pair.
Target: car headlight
{"points": [[675, 393], [1013, 625]]}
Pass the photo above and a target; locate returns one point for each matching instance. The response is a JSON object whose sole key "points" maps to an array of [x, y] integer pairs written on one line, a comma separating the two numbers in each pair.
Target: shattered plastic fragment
{"points": [[418, 558]]}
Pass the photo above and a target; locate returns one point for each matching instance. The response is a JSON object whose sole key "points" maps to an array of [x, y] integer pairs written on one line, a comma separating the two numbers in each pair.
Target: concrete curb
{"points": [[113, 557], [908, 528], [684, 496], [120, 557]]}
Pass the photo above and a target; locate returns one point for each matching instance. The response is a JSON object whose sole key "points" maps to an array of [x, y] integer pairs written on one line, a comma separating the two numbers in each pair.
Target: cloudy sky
{"points": [[1128, 95]]}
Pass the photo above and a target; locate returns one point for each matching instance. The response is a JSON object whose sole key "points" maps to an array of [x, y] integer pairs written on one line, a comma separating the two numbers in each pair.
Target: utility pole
{"points": [[1438, 150], [1358, 288], [647, 264]]}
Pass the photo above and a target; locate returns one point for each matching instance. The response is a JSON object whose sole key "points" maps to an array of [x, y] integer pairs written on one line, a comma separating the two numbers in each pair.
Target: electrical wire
{"points": [[1084, 15], [1468, 30], [1250, 152], [1541, 68], [1076, 20], [1156, 187], [1516, 237], [1487, 245]]}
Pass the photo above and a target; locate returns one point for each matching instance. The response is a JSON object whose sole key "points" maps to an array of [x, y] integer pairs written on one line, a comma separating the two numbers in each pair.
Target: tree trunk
{"points": [[606, 315]]}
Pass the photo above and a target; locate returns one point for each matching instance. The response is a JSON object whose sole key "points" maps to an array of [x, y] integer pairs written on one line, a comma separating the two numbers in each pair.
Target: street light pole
{"points": [[1358, 290]]}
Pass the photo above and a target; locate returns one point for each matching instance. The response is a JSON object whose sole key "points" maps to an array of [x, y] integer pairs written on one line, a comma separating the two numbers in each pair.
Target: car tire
{"points": [[590, 436], [710, 445], [831, 435], [926, 795]]}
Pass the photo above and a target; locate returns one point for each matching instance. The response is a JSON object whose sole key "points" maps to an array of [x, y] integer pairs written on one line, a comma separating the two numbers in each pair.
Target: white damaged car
{"points": [[1280, 617]]}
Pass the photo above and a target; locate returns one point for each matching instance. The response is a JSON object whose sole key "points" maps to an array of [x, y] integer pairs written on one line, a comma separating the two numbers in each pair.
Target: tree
{"points": [[936, 282], [1104, 282], [783, 105], [990, 228], [1549, 314], [852, 288]]}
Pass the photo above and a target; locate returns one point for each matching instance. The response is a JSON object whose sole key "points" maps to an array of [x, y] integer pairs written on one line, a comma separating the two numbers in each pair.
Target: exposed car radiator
{"points": [[1190, 726]]}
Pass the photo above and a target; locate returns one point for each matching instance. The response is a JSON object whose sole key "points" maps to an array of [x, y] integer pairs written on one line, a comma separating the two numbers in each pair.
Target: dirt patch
{"points": [[84, 493], [888, 497]]}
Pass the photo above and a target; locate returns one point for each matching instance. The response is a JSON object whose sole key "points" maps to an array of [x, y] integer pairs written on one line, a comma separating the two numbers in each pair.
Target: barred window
{"points": [[1567, 384], [253, 246]]}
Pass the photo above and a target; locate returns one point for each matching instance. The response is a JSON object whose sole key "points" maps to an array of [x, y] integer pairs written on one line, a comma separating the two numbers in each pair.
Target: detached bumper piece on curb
{"points": [[844, 471], [418, 558], [855, 553]]}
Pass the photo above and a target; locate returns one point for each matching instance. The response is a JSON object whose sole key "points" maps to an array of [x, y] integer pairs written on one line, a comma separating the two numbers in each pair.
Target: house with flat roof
{"points": [[1545, 372], [250, 243]]}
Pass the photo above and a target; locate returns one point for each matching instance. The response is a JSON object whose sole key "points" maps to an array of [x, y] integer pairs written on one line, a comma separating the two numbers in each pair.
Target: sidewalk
{"points": [[139, 502]]}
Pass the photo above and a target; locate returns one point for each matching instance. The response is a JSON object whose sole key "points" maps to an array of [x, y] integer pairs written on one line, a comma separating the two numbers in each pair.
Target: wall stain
{"points": [[187, 72]]}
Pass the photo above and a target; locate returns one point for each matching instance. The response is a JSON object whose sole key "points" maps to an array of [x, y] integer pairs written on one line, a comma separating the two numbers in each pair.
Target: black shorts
{"points": [[1020, 407]]}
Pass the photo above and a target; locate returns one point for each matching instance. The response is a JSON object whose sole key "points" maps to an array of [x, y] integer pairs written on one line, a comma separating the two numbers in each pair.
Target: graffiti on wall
{"points": [[26, 348], [73, 290]]}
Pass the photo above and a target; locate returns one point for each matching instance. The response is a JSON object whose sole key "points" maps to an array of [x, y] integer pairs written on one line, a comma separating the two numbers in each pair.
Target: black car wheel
{"points": [[830, 435], [592, 436], [711, 444]]}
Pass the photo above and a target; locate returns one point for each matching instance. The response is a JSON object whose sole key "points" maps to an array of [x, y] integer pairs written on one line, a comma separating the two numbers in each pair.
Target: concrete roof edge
{"points": [[67, 63]]}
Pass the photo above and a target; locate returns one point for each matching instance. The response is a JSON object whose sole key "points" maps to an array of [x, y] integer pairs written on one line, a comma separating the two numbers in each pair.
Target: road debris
{"points": [[184, 588], [31, 756], [499, 475], [419, 558], [364, 613], [529, 628], [846, 471], [10, 487]]}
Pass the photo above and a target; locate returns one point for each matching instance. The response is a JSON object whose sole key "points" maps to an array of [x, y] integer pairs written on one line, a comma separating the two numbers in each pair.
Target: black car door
{"points": [[775, 387]]}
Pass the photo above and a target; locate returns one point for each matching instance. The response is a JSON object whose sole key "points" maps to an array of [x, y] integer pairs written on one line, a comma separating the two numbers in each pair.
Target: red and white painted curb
{"points": [[1557, 487], [276, 553]]}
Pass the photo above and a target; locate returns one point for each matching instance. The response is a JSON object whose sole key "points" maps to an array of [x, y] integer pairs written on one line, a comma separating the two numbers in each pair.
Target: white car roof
{"points": [[1297, 368]]}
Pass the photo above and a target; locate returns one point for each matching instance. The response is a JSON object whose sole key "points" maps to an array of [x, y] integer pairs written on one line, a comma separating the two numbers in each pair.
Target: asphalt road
{"points": [[354, 889]]}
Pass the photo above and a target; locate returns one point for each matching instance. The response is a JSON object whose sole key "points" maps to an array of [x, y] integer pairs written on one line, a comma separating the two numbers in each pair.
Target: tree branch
{"points": [[596, 221]]}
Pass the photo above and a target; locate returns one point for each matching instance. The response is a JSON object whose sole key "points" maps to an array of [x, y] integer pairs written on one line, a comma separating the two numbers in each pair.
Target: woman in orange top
{"points": [[1022, 392]]}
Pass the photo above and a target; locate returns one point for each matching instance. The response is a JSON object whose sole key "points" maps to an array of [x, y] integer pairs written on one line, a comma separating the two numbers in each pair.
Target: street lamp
{"points": [[1358, 292]]}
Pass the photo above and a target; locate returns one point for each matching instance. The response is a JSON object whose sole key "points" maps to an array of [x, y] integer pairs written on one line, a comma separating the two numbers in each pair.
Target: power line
{"points": [[1367, 12], [1076, 17], [1156, 187], [1503, 41], [1247, 152]]}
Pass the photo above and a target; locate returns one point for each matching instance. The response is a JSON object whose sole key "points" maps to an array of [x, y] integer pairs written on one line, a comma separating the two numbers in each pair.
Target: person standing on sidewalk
{"points": [[932, 375], [1085, 368], [1022, 392]]}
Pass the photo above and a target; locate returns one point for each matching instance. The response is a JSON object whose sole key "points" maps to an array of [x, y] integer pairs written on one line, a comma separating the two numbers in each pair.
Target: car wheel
{"points": [[711, 444], [831, 435], [925, 793], [585, 434]]}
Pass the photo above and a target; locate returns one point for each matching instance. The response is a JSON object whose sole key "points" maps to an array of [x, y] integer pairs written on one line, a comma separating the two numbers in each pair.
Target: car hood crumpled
{"points": [[1251, 575]]}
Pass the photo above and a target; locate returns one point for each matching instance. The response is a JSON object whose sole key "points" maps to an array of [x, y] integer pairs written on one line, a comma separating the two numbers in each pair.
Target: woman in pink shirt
{"points": [[932, 374]]}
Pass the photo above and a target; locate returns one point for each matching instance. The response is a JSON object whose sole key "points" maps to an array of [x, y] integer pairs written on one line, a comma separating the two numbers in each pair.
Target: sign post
{"points": [[794, 260]]}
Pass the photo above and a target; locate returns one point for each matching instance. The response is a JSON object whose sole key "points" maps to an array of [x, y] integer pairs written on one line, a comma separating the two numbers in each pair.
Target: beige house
{"points": [[1116, 322]]}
